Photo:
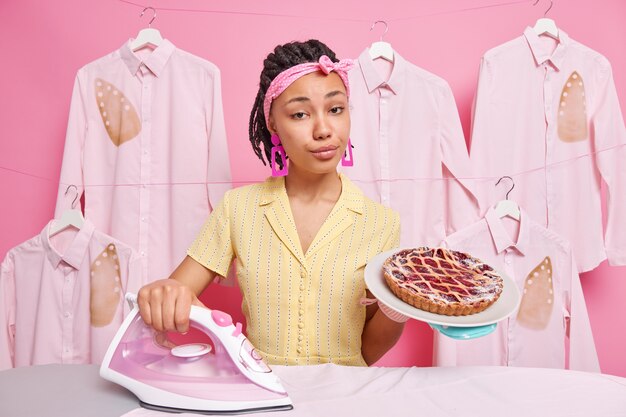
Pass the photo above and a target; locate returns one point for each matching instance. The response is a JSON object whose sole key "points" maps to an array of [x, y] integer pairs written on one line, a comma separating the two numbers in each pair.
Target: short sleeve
{"points": [[213, 245], [393, 241]]}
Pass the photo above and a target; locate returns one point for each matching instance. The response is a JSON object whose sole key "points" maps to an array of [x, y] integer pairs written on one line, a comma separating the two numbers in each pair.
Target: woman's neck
{"points": [[308, 186]]}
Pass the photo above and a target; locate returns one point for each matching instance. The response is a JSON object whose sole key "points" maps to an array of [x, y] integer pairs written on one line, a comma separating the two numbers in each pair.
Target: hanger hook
{"points": [[153, 16], [386, 27], [512, 186], [75, 197], [546, 12]]}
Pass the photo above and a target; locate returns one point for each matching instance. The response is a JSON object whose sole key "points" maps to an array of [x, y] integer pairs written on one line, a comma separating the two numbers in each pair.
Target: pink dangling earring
{"points": [[278, 149], [347, 162]]}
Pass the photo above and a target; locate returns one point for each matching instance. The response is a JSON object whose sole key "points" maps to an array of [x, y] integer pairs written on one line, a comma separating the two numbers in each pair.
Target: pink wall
{"points": [[43, 43]]}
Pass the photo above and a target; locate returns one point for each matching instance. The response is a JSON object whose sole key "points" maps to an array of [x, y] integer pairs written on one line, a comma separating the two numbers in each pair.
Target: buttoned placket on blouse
{"points": [[509, 270], [508, 251], [385, 95], [507, 254], [145, 77], [145, 72], [337, 221], [301, 307], [69, 263], [288, 234], [547, 64]]}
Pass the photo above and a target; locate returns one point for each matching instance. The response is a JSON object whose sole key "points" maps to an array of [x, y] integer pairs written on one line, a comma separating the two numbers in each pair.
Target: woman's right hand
{"points": [[166, 304]]}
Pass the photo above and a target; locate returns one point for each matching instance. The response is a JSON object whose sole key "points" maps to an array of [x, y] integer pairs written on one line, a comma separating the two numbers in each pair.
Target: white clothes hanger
{"points": [[546, 26], [147, 36], [508, 207], [381, 49], [70, 217]]}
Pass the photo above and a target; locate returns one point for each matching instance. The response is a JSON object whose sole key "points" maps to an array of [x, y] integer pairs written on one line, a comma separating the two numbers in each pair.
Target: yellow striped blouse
{"points": [[300, 308]]}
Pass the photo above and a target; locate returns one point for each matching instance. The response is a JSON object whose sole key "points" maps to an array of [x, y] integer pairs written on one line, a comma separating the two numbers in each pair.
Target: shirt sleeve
{"points": [[7, 313], [213, 245], [461, 204], [72, 166], [582, 349], [480, 153], [480, 107], [609, 135], [218, 170], [134, 278], [393, 241]]}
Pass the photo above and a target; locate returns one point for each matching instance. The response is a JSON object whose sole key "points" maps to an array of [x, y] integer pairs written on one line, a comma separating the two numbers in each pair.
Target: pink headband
{"points": [[288, 76]]}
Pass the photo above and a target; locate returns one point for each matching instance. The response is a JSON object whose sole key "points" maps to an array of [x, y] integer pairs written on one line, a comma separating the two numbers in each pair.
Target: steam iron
{"points": [[228, 377]]}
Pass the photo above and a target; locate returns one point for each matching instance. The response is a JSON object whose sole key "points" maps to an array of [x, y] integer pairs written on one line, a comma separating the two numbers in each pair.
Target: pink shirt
{"points": [[546, 108], [552, 308], [146, 143], [404, 130], [61, 297]]}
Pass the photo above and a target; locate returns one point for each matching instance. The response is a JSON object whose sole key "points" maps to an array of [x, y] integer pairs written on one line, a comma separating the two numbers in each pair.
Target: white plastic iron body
{"points": [[227, 377]]}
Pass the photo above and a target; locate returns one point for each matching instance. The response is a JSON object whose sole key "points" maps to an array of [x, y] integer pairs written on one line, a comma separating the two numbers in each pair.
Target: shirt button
{"points": [[301, 299], [143, 219], [302, 287], [143, 253], [301, 312], [300, 338], [303, 274], [299, 350], [67, 314], [301, 325]]}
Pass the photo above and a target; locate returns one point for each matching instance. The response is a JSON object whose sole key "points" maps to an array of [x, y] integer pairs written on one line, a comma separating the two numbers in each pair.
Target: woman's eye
{"points": [[298, 115], [336, 110]]}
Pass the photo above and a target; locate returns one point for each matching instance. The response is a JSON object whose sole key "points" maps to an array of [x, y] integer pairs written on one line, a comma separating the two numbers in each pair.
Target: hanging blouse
{"points": [[62, 297], [409, 150], [552, 308], [146, 144], [547, 114]]}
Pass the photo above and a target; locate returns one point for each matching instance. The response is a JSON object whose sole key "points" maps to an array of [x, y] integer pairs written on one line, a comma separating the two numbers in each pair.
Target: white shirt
{"points": [[552, 309], [146, 143], [408, 149]]}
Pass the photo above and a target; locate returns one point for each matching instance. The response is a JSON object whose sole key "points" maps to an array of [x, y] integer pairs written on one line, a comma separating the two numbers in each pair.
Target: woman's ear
{"points": [[271, 126]]}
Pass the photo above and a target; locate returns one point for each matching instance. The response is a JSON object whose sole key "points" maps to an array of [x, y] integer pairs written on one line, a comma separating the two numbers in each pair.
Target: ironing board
{"points": [[331, 390]]}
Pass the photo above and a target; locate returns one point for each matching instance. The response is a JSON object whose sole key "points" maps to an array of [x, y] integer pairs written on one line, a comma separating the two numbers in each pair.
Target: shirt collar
{"points": [[540, 51], [155, 62], [351, 196], [75, 253], [501, 238], [373, 80]]}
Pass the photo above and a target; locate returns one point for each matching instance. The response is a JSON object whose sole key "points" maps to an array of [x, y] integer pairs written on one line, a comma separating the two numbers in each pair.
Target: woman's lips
{"points": [[325, 153]]}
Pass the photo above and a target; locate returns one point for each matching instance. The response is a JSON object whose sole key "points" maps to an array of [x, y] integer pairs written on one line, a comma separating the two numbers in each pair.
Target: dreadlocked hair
{"points": [[283, 57]]}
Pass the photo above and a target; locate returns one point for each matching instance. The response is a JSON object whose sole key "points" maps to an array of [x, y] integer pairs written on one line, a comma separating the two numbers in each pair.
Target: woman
{"points": [[302, 238]]}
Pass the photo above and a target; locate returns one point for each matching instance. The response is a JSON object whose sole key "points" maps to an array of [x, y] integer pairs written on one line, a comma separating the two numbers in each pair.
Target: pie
{"points": [[442, 281]]}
